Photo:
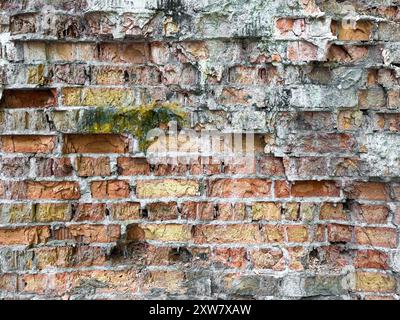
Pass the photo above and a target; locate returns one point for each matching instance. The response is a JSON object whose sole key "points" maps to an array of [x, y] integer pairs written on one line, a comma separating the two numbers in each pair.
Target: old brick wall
{"points": [[84, 215]]}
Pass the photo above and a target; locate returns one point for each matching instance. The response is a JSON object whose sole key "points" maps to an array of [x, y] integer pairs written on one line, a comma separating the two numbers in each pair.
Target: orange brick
{"points": [[24, 235], [95, 143], [360, 32], [307, 189], [88, 233], [28, 144], [110, 189], [62, 190], [239, 188], [133, 166], [50, 283], [287, 27]]}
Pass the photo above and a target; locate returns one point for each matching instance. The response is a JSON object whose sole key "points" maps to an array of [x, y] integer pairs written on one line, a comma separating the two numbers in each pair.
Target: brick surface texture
{"points": [[314, 213]]}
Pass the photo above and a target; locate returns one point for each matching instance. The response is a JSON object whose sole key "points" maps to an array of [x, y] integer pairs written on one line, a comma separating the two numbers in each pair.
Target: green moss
{"points": [[137, 120]]}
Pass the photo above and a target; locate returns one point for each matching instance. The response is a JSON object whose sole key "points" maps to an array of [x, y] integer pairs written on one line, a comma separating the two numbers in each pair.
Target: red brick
{"points": [[289, 28], [57, 167], [26, 98], [199, 210], [373, 98], [95, 143], [253, 75], [388, 122], [110, 189], [87, 166], [230, 257], [371, 214], [124, 53], [302, 51], [340, 233], [89, 212], [231, 212], [162, 169], [368, 191], [15, 166], [308, 166], [346, 53], [28, 144], [271, 166], [325, 143], [380, 237], [239, 188], [371, 259]]}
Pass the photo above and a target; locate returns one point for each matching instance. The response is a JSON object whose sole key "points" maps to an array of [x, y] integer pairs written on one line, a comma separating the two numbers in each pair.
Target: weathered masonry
{"points": [[312, 211]]}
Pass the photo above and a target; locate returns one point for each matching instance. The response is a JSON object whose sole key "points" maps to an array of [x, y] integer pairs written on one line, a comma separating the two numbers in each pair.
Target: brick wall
{"points": [[84, 214]]}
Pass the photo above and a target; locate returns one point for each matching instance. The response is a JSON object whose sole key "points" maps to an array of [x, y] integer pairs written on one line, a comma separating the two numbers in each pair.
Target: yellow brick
{"points": [[167, 232], [52, 212], [19, 213], [375, 282], [99, 97], [71, 96], [266, 211], [166, 188]]}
